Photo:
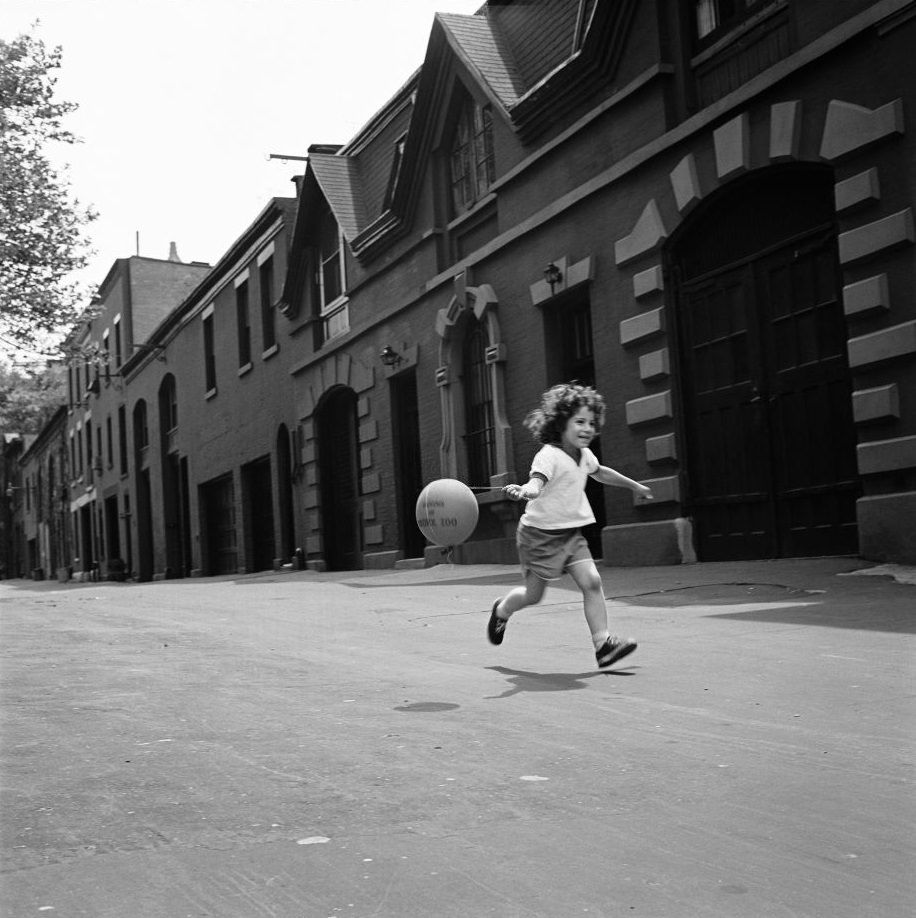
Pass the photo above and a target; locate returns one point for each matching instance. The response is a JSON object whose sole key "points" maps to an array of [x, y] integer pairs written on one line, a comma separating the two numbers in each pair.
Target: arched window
{"points": [[141, 426], [479, 430], [476, 435], [471, 156], [168, 404]]}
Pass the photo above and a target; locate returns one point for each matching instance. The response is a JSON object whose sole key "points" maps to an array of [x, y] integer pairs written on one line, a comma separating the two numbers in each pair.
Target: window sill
{"points": [[245, 369], [273, 349], [211, 393], [473, 212], [328, 309], [737, 32], [336, 336]]}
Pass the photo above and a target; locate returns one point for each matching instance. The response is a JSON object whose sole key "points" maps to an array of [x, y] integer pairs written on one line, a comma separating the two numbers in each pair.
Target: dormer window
{"points": [[395, 173], [330, 274], [331, 278], [471, 156]]}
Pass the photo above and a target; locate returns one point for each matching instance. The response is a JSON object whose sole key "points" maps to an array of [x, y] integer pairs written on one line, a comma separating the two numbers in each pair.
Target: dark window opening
{"points": [[480, 432], [243, 320], [268, 328], [395, 172], [209, 355]]}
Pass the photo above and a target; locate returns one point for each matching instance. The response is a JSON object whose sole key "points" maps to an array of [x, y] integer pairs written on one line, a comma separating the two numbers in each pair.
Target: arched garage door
{"points": [[767, 392]]}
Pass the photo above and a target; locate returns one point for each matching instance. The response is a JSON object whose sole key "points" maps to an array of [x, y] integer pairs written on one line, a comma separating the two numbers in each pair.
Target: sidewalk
{"points": [[319, 745]]}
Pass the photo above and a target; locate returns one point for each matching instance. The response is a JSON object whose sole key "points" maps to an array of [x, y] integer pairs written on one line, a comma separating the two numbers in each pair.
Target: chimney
{"points": [[173, 252]]}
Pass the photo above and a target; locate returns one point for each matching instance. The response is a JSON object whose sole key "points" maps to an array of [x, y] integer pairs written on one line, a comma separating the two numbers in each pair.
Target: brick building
{"points": [[14, 506], [704, 208], [136, 294], [210, 448], [39, 500]]}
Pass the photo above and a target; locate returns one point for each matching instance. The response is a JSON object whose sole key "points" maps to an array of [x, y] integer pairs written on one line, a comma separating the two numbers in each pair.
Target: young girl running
{"points": [[550, 541]]}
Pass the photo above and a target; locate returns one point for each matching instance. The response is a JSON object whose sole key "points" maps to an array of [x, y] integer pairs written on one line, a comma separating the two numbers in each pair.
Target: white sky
{"points": [[181, 101]]}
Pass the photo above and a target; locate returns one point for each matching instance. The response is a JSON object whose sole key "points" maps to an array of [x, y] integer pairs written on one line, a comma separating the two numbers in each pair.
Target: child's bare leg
{"points": [[532, 592], [586, 577]]}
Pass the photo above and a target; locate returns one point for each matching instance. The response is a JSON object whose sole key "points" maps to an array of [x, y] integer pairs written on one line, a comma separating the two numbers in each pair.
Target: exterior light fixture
{"points": [[390, 357], [553, 275]]}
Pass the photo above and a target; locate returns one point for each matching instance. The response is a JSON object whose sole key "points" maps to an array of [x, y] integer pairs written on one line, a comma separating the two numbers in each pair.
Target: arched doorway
{"points": [[405, 424], [767, 417], [144, 503], [176, 510], [285, 494], [257, 497], [338, 449]]}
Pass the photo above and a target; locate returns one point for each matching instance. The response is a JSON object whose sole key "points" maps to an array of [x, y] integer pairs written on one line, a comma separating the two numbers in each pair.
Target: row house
{"points": [[39, 500], [136, 294], [211, 443], [15, 506], [703, 208]]}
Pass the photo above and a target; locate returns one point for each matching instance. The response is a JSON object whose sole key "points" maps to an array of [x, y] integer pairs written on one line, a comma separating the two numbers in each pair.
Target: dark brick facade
{"points": [[663, 172]]}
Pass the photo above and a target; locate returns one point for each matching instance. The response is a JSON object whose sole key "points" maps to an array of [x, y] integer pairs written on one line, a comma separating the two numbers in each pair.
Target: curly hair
{"points": [[558, 404]]}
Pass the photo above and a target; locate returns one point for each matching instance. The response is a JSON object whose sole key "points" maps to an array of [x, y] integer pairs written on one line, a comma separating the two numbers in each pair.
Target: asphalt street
{"points": [[303, 745]]}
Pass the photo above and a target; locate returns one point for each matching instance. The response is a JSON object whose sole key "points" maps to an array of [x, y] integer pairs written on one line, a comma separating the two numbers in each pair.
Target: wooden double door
{"points": [[768, 413]]}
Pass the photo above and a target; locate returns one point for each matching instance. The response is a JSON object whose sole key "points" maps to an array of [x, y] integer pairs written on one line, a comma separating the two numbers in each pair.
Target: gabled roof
{"points": [[577, 48], [339, 180], [481, 47]]}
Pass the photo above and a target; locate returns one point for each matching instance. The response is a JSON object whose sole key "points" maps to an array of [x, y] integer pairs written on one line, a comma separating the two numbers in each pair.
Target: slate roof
{"points": [[478, 42], [529, 62], [339, 179]]}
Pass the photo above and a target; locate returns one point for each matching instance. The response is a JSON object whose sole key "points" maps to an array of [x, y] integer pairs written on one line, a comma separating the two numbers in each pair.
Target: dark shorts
{"points": [[548, 553]]}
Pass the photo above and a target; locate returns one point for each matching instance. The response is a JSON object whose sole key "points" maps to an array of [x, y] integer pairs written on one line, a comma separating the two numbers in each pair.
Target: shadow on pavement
{"points": [[786, 606], [523, 681], [485, 580], [894, 621], [719, 594]]}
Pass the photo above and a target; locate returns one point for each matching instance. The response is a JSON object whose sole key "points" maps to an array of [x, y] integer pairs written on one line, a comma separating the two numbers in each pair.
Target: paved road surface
{"points": [[349, 745]]}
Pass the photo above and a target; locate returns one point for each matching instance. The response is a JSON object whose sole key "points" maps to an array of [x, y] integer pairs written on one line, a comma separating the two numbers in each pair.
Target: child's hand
{"points": [[514, 491], [644, 492]]}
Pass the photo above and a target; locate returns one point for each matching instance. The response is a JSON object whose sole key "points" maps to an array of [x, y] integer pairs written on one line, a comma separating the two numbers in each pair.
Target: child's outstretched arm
{"points": [[609, 476], [528, 491]]}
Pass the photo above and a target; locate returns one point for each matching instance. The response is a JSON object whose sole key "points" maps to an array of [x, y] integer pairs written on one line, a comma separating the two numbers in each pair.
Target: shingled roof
{"points": [[339, 179], [479, 44], [529, 75]]}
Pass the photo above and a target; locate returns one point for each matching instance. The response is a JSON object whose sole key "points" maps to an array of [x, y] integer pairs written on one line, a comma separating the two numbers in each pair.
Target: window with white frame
{"points": [[331, 278]]}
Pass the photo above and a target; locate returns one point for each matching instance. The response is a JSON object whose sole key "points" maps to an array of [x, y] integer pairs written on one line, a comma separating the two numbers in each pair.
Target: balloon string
{"points": [[489, 488]]}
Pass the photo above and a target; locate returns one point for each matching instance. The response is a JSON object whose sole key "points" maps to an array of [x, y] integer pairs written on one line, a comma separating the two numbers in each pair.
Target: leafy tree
{"points": [[29, 398], [42, 226]]}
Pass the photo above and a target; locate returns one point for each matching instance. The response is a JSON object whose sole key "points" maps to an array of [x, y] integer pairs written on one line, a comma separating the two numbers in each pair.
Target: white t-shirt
{"points": [[562, 503]]}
